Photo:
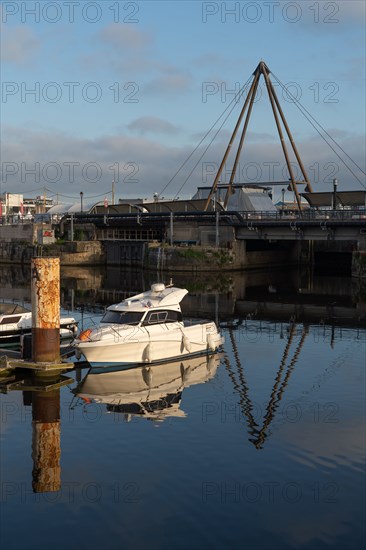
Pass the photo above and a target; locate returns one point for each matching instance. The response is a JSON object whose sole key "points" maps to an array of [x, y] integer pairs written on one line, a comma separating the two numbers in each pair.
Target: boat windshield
{"points": [[12, 309], [122, 317]]}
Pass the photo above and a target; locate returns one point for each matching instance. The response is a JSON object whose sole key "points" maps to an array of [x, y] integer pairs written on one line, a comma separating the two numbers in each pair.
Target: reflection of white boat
{"points": [[147, 328], [151, 391], [16, 320]]}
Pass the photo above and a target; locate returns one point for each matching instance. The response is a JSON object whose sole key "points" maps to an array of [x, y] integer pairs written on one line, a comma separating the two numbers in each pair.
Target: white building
{"points": [[10, 203]]}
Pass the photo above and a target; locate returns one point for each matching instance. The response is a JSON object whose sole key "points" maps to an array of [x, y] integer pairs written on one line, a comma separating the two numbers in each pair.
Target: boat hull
{"points": [[163, 344]]}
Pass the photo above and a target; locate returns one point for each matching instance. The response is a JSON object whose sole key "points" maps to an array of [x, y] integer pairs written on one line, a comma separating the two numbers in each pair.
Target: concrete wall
{"points": [[125, 253], [359, 264], [159, 257], [204, 235], [22, 232], [73, 253], [236, 255], [15, 252]]}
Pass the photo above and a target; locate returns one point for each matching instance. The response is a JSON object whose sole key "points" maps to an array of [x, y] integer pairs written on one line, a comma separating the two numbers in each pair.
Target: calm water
{"points": [[261, 447]]}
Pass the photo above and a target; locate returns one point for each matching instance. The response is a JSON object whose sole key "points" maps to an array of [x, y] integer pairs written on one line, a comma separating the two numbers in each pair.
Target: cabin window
{"points": [[122, 317], [156, 317], [166, 316], [10, 320]]}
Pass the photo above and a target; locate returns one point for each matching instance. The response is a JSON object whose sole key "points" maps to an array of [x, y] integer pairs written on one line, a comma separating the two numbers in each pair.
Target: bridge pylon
{"points": [[262, 70]]}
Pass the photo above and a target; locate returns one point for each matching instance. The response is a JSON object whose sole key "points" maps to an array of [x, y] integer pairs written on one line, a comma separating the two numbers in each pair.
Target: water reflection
{"points": [[280, 384], [46, 441], [152, 392], [42, 394], [295, 294], [259, 434], [286, 351]]}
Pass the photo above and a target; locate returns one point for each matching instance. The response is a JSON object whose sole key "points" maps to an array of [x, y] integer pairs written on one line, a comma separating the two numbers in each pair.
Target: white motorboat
{"points": [[153, 392], [147, 328], [16, 320]]}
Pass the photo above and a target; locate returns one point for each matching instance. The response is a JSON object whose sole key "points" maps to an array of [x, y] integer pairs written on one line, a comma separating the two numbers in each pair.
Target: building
{"points": [[243, 197], [14, 206]]}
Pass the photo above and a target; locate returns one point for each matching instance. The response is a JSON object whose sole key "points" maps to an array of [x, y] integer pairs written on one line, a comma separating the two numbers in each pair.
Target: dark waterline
{"points": [[261, 447]]}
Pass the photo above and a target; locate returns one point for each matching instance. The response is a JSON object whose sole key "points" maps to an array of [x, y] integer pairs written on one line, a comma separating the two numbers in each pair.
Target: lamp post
{"points": [[335, 184], [81, 201], [283, 201]]}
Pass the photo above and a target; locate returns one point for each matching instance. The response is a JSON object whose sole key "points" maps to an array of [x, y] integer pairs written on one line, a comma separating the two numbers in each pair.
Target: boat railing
{"points": [[191, 321]]}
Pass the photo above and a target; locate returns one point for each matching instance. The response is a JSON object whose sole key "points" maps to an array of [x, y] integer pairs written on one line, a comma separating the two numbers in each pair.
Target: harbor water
{"points": [[261, 446]]}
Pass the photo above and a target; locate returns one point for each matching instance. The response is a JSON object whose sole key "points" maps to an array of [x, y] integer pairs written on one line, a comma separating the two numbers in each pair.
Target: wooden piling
{"points": [[45, 291]]}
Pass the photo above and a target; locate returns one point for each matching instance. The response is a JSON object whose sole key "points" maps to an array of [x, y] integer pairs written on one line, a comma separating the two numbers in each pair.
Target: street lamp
{"points": [[81, 201], [335, 184], [283, 201]]}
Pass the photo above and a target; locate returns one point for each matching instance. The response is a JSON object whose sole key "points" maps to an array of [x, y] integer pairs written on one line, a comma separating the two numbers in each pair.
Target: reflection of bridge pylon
{"points": [[278, 114], [280, 384]]}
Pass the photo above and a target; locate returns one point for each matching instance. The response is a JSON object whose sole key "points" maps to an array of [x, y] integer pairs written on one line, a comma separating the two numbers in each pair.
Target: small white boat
{"points": [[147, 328], [153, 392], [16, 320]]}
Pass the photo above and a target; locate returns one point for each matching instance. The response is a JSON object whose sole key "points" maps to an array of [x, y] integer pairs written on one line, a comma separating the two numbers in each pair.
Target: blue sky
{"points": [[126, 91]]}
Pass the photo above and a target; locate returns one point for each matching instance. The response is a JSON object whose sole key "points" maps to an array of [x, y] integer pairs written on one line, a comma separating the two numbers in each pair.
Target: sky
{"points": [[136, 93]]}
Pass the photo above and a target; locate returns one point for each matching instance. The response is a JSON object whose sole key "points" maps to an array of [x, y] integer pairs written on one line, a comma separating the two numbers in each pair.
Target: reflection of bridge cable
{"points": [[259, 436], [233, 101], [242, 388], [308, 116], [276, 396]]}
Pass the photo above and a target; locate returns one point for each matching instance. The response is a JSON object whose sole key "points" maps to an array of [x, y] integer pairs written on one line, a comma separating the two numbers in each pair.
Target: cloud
{"points": [[260, 136], [169, 84], [210, 59], [151, 124], [222, 136], [119, 48], [352, 10], [145, 166], [353, 70], [327, 18], [125, 37], [123, 48], [18, 44], [263, 161]]}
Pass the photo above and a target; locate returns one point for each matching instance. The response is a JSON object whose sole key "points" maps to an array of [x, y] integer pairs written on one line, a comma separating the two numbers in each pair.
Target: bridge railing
{"points": [[309, 214], [153, 218]]}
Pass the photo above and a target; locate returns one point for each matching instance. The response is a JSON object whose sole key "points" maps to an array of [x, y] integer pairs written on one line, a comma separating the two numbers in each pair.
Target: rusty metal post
{"points": [[45, 292]]}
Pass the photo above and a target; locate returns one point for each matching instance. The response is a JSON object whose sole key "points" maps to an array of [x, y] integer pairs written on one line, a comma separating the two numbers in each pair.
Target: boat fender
{"points": [[186, 343], [85, 334], [211, 342], [210, 362], [147, 353], [86, 400], [147, 376], [186, 373]]}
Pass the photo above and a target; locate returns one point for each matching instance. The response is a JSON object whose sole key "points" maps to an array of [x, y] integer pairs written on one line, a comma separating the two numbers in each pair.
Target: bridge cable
{"points": [[234, 101], [203, 154], [300, 106]]}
